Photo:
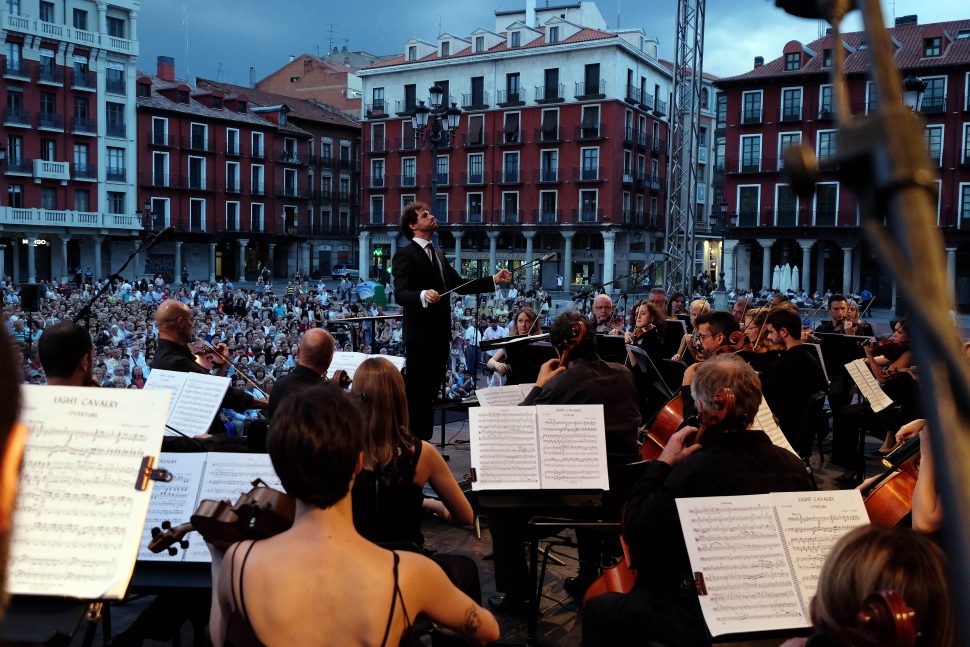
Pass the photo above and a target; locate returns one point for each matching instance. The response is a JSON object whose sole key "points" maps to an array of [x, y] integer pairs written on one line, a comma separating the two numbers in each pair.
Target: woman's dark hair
{"points": [[315, 443]]}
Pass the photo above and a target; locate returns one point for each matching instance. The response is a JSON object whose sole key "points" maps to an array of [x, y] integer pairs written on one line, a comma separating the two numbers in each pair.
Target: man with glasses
{"points": [[713, 330], [658, 298]]}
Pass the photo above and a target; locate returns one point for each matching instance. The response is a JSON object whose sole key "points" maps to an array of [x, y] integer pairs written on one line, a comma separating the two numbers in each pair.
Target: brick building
{"points": [[789, 100], [562, 145], [67, 136], [331, 80]]}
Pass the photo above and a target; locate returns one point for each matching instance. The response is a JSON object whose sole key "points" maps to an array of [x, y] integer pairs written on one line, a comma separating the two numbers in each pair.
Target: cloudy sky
{"points": [[223, 38]]}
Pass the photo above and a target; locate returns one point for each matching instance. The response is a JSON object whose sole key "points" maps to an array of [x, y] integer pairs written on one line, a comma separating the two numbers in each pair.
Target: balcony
{"points": [[16, 70], [116, 175], [546, 216], [629, 135], [507, 99], [646, 101], [406, 143], [115, 86], [155, 180], [629, 177], [632, 93], [406, 181], [404, 108], [232, 149], [702, 154], [232, 186], [791, 114], [654, 182], [258, 153], [377, 182], [548, 134], [86, 39], [472, 217], [194, 183], [84, 126], [44, 170], [52, 218], [257, 188], [475, 178], [752, 116], [547, 176], [84, 81], [550, 93], [509, 137], [475, 101], [441, 179], [344, 197], [588, 91], [474, 141], [510, 217], [660, 108], [590, 132], [825, 112], [587, 215], [18, 165], [325, 161], [50, 121], [16, 118], [378, 145], [658, 146], [49, 75], [376, 110], [88, 172], [933, 105], [288, 156], [588, 174], [510, 176], [116, 130], [292, 192]]}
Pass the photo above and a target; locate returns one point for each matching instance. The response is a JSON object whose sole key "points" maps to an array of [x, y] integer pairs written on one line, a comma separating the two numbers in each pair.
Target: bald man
{"points": [[175, 331], [603, 312], [313, 359]]}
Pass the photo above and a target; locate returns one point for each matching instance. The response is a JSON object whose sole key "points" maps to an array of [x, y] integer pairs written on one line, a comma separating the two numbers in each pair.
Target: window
{"points": [[232, 216], [590, 164], [793, 61], [441, 207], [377, 142], [510, 207], [872, 101], [786, 141], [474, 207], [197, 173], [751, 110], [933, 135], [476, 129], [256, 217], [478, 91], [232, 141], [549, 166], [750, 153], [82, 200], [159, 169], [376, 209], [114, 78], [825, 102], [786, 206], [934, 97], [441, 169], [410, 97], [964, 205], [232, 177], [590, 124], [587, 206], [290, 187], [116, 202], [13, 6], [378, 99], [412, 52], [15, 103], [550, 125], [446, 48], [48, 111], [551, 78], [932, 46], [115, 119], [258, 150], [47, 12], [80, 112], [512, 87], [826, 204], [256, 185], [445, 93], [326, 151], [966, 144], [290, 150], [826, 145], [749, 205], [791, 104], [479, 43], [510, 131], [826, 57], [14, 52], [591, 79], [510, 167], [80, 19], [408, 172], [548, 212], [116, 27], [159, 131], [116, 164], [48, 199], [199, 137], [15, 196], [196, 214], [554, 34], [47, 149], [705, 99], [80, 160], [516, 39], [476, 168], [377, 173], [15, 152]]}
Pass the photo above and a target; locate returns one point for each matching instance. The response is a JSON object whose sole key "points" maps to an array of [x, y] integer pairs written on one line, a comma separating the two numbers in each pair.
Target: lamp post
{"points": [[720, 292], [435, 126], [913, 88]]}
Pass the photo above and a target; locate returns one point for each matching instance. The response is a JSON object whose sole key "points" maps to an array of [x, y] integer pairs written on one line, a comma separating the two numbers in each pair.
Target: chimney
{"points": [[907, 20], [165, 69], [292, 58], [758, 61], [334, 49], [530, 13], [344, 49], [252, 76]]}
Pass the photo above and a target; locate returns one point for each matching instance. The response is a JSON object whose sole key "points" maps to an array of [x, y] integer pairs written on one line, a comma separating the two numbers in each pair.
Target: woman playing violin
{"points": [[853, 324], [320, 582], [526, 323], [648, 332], [687, 343], [889, 356]]}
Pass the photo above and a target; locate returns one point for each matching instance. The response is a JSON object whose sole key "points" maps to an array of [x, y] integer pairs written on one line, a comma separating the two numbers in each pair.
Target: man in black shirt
{"points": [[313, 360]]}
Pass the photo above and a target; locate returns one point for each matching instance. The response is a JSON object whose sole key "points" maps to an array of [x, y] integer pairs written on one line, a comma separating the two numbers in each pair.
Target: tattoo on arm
{"points": [[472, 622]]}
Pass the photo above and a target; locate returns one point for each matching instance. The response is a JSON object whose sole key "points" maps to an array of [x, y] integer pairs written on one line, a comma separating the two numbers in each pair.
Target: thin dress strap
{"points": [[240, 602], [394, 597]]}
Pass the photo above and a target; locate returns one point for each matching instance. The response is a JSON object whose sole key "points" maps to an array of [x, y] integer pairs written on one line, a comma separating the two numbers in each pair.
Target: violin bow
{"points": [[241, 373]]}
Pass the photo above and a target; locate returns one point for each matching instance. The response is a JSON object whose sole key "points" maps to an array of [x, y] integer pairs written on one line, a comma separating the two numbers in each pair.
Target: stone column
{"points": [[178, 260], [820, 278], [270, 257], [241, 267], [766, 244], [133, 19], [31, 259], [729, 263], [458, 236], [805, 272], [65, 270], [15, 270], [951, 274], [136, 263], [847, 269], [212, 262], [96, 270], [306, 259], [529, 257], [492, 260], [567, 260], [103, 17], [609, 257], [364, 254], [393, 248], [3, 261]]}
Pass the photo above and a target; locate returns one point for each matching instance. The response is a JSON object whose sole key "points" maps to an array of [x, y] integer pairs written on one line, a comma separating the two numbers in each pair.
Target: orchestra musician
{"points": [[729, 458], [853, 324], [648, 332], [421, 276], [313, 359], [840, 384], [66, 353], [526, 323], [13, 437], [712, 333], [321, 582], [604, 314], [684, 352]]}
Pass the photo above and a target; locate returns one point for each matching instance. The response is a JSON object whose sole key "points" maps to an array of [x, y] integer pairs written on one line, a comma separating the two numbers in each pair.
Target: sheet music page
{"points": [[868, 385], [765, 421], [572, 447], [504, 448], [501, 396], [821, 360], [349, 361], [525, 389], [811, 523], [735, 542], [174, 501], [79, 519], [196, 399], [172, 381]]}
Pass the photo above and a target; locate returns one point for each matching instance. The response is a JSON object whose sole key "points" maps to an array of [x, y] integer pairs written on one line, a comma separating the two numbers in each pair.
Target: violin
{"points": [[210, 357], [260, 513], [641, 331]]}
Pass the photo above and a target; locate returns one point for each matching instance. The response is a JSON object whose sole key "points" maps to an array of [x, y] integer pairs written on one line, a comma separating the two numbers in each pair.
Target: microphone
{"points": [[158, 238], [548, 257]]}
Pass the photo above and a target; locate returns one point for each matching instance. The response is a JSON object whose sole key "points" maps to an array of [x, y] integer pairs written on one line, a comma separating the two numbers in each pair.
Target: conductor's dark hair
{"points": [[566, 327], [315, 442], [784, 319], [61, 348], [10, 380], [719, 321], [409, 217]]}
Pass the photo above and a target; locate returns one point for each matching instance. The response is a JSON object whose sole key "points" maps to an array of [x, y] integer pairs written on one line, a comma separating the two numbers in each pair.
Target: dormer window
{"points": [[182, 96], [963, 34], [479, 43], [554, 34], [826, 58], [217, 103], [446, 48], [240, 106], [413, 53], [144, 90], [516, 39], [793, 61], [932, 47]]}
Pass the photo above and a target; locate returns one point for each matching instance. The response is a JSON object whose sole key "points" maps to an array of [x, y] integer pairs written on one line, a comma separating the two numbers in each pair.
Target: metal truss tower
{"points": [[684, 142]]}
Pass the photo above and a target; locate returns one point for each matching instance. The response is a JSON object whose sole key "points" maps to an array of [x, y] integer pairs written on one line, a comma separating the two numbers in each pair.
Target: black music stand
{"points": [[45, 620], [525, 357]]}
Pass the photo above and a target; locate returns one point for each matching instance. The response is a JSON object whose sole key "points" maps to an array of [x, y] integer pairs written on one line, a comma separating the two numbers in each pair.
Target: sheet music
{"points": [[79, 518], [821, 360], [510, 395], [196, 398], [765, 421], [868, 385], [349, 361], [572, 447], [504, 448], [811, 523], [174, 501]]}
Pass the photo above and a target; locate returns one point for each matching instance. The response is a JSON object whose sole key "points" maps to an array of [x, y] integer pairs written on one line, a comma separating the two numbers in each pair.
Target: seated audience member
{"points": [[320, 582], [871, 559], [729, 458]]}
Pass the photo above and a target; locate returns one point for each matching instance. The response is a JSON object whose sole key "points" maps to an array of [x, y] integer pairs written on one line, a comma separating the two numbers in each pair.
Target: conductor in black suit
{"points": [[421, 276]]}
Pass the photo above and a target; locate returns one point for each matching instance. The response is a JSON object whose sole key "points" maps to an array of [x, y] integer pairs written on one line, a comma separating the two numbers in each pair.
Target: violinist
{"points": [[791, 382], [728, 458], [526, 323], [321, 582], [313, 359], [678, 301], [853, 322], [685, 351], [840, 384], [890, 356], [838, 310], [648, 332], [66, 352], [712, 333], [604, 316]]}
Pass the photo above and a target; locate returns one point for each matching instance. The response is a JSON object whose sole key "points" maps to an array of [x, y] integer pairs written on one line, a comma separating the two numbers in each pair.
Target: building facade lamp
{"points": [[454, 117], [436, 93], [913, 88], [419, 119]]}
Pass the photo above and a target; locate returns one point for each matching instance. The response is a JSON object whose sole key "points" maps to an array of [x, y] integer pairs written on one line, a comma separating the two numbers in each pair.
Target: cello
{"points": [[889, 496]]}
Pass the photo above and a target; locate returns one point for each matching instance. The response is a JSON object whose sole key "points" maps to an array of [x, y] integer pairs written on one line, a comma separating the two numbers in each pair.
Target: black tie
{"points": [[436, 263]]}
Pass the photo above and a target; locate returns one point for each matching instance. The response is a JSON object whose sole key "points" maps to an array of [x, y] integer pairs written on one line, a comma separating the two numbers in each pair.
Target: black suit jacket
{"points": [[414, 272]]}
